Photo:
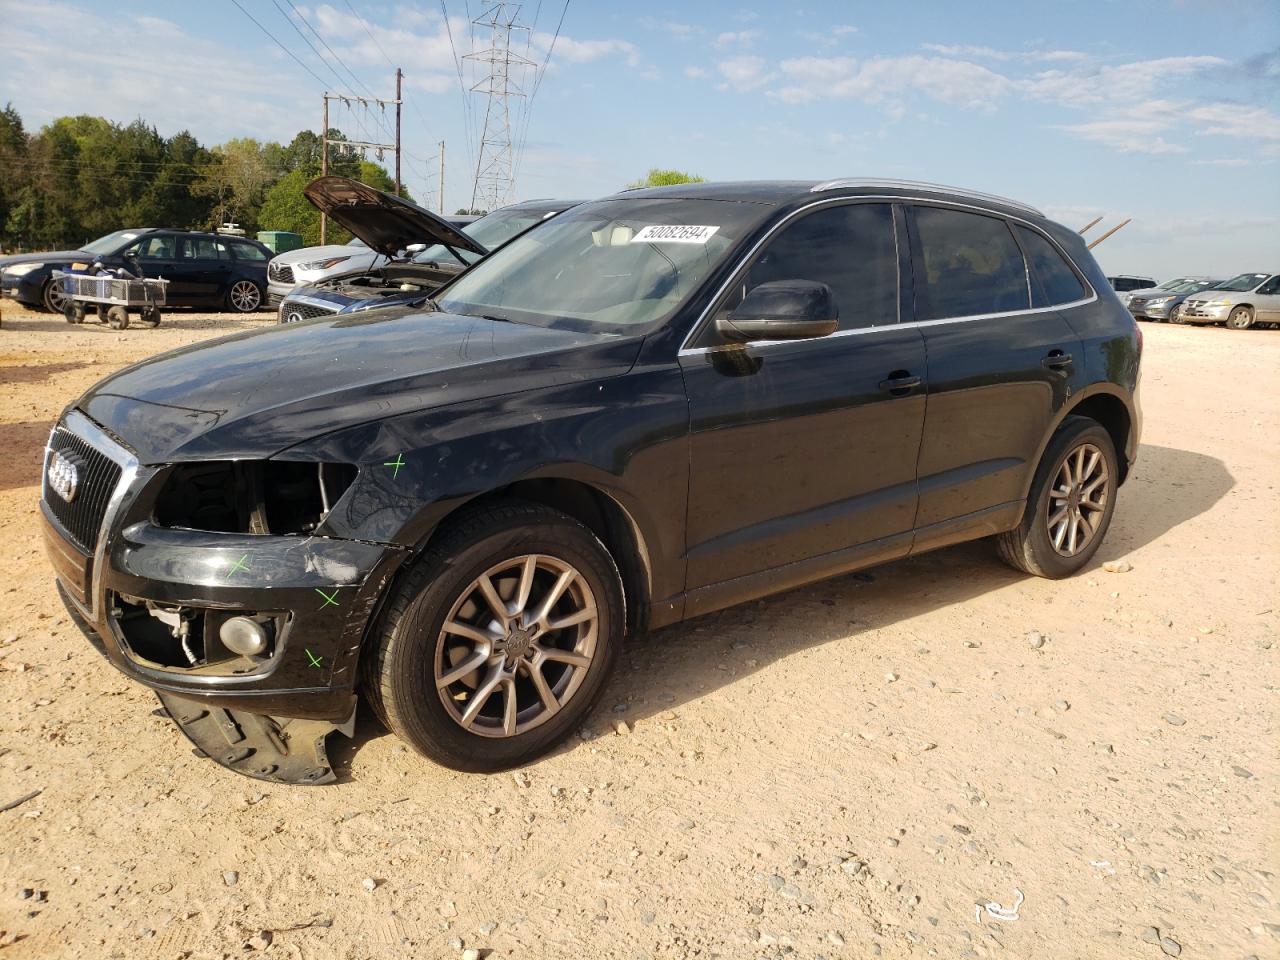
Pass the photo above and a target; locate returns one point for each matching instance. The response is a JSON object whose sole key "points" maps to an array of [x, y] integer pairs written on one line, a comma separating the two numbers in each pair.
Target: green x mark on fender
{"points": [[313, 659], [395, 465], [239, 565], [329, 598]]}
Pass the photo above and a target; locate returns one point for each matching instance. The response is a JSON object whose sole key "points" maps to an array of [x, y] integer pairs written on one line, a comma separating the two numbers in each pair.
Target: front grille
{"points": [[291, 311], [1137, 303], [82, 517], [280, 272]]}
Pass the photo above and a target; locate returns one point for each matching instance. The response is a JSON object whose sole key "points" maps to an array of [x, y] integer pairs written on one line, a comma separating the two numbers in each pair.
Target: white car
{"points": [[1240, 302], [308, 265]]}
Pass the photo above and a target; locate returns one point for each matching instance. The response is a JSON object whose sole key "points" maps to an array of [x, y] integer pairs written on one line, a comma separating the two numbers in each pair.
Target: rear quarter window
{"points": [[1053, 281]]}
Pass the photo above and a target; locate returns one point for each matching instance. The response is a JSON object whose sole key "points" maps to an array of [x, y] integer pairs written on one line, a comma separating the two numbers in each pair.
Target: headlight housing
{"points": [[1217, 303], [321, 264], [1158, 300], [22, 269]]}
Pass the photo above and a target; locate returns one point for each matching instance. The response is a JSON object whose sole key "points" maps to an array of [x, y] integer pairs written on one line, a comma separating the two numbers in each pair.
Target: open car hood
{"points": [[387, 223]]}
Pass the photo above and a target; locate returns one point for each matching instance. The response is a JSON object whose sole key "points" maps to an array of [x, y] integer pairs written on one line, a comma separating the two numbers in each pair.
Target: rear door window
{"points": [[966, 264], [201, 248], [246, 251], [1053, 282]]}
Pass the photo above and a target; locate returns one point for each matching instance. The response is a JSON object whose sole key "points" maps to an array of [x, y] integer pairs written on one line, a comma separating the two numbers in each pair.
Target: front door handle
{"points": [[1056, 360], [900, 383]]}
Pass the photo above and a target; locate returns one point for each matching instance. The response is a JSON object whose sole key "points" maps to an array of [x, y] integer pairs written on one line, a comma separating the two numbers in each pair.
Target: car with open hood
{"points": [[649, 408], [203, 269], [334, 196], [424, 267]]}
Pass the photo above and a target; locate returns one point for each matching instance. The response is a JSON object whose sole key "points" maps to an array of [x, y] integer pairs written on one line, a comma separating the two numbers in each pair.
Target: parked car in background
{"points": [[655, 406], [1124, 282], [1239, 303], [203, 269], [306, 266], [1165, 301], [411, 278]]}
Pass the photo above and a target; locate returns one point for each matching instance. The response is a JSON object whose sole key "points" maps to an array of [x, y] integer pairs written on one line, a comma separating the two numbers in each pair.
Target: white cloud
{"points": [[990, 53], [695, 73], [1123, 82], [742, 38], [681, 31], [1222, 162], [1127, 135], [883, 79], [743, 73]]}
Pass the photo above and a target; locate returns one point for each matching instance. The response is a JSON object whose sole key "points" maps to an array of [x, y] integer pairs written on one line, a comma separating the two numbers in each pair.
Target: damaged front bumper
{"points": [[155, 600]]}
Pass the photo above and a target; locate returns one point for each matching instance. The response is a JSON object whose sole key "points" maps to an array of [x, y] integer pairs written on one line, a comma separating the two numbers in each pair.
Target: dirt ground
{"points": [[845, 770]]}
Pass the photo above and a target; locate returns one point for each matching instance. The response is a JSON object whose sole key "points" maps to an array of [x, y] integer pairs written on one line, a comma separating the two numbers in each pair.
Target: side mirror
{"points": [[781, 310]]}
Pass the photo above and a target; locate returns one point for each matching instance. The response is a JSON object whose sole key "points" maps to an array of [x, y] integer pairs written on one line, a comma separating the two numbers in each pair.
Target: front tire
{"points": [[1070, 504], [1175, 314], [53, 297], [117, 318], [499, 641], [244, 296], [1241, 318]]}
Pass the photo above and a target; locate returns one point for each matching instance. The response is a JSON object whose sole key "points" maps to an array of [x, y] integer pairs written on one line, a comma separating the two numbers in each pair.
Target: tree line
{"points": [[79, 178]]}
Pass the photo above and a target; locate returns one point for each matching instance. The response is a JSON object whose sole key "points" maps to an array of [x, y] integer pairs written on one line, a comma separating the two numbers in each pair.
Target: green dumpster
{"points": [[280, 241]]}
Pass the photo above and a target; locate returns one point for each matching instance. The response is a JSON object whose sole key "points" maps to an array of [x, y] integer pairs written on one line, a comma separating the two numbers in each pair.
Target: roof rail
{"points": [[843, 182]]}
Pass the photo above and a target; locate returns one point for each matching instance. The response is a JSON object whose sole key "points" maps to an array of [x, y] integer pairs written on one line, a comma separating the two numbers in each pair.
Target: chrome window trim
{"points": [[686, 350], [84, 428]]}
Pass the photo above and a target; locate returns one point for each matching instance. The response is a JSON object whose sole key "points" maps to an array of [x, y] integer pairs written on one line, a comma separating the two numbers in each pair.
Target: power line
{"points": [[316, 32], [310, 45], [278, 43]]}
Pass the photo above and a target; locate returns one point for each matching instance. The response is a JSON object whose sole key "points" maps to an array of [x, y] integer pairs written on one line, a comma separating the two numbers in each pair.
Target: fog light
{"points": [[243, 636]]}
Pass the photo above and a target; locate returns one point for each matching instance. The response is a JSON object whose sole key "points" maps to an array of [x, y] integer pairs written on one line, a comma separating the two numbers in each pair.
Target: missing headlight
{"points": [[264, 496]]}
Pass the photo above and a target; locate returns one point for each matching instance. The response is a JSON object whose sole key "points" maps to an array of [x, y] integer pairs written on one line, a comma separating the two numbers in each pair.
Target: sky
{"points": [[1166, 112]]}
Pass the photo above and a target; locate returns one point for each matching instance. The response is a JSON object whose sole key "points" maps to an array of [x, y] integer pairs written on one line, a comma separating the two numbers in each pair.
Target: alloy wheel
{"points": [[245, 296], [1078, 500], [54, 299], [516, 645]]}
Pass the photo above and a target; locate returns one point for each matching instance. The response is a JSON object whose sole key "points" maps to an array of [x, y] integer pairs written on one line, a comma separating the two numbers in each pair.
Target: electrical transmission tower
{"points": [[504, 71]]}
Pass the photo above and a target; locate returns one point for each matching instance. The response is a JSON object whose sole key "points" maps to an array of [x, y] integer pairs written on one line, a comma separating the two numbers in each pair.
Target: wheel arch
{"points": [[1113, 414], [596, 509]]}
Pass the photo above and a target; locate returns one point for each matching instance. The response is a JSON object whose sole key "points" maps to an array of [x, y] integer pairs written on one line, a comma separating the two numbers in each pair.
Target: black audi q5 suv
{"points": [[653, 406]]}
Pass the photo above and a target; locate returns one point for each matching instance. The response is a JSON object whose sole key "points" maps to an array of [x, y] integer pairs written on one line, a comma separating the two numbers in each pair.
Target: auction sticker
{"points": [[674, 233]]}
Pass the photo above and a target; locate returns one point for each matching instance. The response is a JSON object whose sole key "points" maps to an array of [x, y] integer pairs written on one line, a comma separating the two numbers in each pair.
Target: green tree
{"points": [[665, 178], [285, 207]]}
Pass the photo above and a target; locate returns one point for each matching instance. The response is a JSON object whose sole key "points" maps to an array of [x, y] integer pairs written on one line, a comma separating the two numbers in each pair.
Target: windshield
{"points": [[614, 266], [1246, 281], [490, 231], [111, 242], [1172, 284], [1194, 286]]}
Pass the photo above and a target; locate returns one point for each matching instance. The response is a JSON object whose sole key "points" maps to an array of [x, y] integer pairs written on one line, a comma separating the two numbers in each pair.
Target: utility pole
{"points": [[441, 203], [361, 145], [399, 76], [324, 167], [495, 165]]}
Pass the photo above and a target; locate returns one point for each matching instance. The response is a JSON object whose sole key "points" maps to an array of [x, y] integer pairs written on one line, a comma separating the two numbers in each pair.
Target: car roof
{"points": [[789, 191]]}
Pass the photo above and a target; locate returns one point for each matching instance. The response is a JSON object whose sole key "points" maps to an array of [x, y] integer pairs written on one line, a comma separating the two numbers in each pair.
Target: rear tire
{"points": [[117, 318], [444, 616], [150, 316], [1070, 504], [244, 297], [1241, 318]]}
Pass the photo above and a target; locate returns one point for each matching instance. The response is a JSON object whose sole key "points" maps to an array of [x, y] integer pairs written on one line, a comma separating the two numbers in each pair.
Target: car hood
{"points": [[55, 256], [258, 393], [387, 223]]}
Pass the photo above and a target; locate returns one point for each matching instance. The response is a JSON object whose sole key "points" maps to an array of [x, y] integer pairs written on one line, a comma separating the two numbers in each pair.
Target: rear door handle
{"points": [[1056, 360], [900, 383]]}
